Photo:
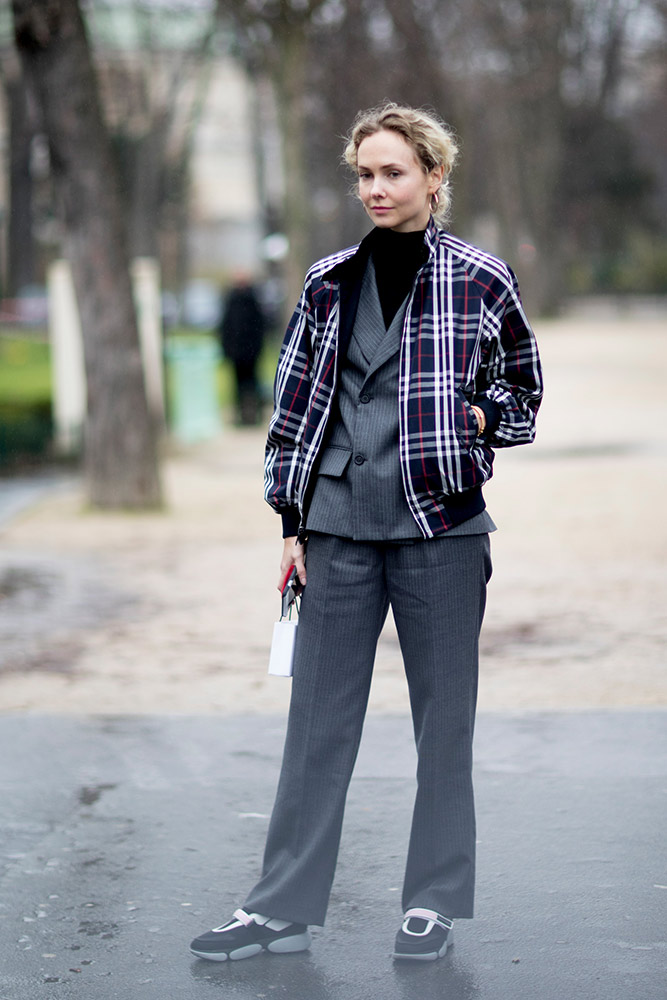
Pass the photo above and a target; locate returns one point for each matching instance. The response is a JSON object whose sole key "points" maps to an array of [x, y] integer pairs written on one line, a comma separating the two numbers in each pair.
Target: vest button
{"points": [[359, 459], [365, 398]]}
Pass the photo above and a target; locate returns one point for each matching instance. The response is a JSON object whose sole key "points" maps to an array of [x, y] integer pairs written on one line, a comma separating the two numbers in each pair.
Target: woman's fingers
{"points": [[300, 562], [294, 554]]}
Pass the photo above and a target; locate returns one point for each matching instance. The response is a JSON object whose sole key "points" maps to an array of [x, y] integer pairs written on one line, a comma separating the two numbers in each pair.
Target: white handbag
{"points": [[284, 631], [282, 647]]}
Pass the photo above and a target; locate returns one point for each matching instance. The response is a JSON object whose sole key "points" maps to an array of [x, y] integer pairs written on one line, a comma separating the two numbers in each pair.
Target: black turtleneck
{"points": [[396, 257]]}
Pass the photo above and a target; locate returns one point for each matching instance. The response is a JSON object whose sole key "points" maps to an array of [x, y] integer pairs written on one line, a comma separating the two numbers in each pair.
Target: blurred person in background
{"points": [[407, 361], [242, 330]]}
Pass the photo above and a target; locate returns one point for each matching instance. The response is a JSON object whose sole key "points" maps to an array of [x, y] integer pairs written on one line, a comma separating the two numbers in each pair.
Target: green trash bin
{"points": [[194, 407]]}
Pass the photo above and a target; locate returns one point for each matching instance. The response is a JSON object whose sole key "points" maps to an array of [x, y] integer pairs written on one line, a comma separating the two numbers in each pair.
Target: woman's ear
{"points": [[436, 178]]}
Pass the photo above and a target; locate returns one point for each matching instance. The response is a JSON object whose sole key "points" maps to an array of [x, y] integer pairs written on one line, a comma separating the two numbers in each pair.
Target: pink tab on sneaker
{"points": [[243, 917]]}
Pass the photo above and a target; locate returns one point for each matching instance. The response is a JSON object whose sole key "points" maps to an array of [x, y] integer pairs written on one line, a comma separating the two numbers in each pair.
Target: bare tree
{"points": [[538, 92], [153, 85], [544, 134], [20, 241], [364, 57], [120, 441], [276, 35]]}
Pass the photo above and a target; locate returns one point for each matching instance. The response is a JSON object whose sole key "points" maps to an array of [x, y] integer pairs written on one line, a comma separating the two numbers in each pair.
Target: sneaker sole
{"points": [[287, 945], [431, 956], [283, 946]]}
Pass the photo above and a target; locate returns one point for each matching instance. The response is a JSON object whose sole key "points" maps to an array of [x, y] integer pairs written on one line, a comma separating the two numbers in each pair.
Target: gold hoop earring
{"points": [[435, 201]]}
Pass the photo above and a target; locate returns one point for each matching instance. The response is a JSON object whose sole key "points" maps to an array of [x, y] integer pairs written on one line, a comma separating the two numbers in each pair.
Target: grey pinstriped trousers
{"points": [[437, 590]]}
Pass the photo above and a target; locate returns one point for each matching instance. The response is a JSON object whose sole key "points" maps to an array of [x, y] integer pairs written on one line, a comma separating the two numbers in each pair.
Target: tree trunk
{"points": [[290, 83], [20, 238], [120, 441], [147, 164]]}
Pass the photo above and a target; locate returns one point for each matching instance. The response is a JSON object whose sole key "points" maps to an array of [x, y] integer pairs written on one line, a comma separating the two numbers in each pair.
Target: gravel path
{"points": [[172, 613]]}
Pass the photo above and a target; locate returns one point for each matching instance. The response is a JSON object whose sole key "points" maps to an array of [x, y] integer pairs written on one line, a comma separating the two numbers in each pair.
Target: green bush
{"points": [[26, 431], [640, 268], [26, 424]]}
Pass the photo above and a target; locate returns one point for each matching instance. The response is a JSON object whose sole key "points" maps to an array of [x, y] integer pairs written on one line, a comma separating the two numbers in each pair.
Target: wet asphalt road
{"points": [[18, 493], [123, 838]]}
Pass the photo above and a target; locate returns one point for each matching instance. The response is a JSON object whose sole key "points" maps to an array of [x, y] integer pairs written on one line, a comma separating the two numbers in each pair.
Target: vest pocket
{"points": [[334, 462]]}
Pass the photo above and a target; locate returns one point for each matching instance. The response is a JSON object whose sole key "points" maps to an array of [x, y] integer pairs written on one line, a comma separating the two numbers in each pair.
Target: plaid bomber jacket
{"points": [[465, 340]]}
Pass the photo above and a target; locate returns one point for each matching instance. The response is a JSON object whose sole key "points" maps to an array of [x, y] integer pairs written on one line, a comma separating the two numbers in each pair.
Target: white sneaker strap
{"points": [[431, 915], [273, 923], [278, 925]]}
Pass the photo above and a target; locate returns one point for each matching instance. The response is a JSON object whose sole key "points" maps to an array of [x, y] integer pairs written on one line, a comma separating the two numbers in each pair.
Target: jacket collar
{"points": [[355, 266], [432, 235]]}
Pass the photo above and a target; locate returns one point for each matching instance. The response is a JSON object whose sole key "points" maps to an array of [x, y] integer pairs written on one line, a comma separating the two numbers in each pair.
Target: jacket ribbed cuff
{"points": [[291, 521]]}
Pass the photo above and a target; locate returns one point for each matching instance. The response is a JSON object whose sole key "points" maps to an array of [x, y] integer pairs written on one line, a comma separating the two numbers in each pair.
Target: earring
{"points": [[435, 201]]}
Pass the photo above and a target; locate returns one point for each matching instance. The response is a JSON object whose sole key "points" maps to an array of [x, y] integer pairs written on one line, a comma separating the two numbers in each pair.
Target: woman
{"points": [[241, 337], [407, 360]]}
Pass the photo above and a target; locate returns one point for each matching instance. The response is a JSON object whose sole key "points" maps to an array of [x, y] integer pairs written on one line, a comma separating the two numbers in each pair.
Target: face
{"points": [[393, 186]]}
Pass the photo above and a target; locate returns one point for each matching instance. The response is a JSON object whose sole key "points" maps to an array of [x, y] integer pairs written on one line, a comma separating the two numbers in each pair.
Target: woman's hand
{"points": [[480, 416], [294, 554]]}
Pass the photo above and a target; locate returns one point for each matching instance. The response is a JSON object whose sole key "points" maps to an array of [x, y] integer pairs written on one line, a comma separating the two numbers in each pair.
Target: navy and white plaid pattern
{"points": [[466, 338]]}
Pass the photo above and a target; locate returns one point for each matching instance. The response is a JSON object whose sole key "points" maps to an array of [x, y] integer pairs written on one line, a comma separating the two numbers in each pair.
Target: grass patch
{"points": [[25, 388], [26, 428], [25, 367], [25, 370]]}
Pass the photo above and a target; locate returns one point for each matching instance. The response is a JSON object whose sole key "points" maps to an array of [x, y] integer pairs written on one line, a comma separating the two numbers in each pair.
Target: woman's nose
{"points": [[377, 188]]}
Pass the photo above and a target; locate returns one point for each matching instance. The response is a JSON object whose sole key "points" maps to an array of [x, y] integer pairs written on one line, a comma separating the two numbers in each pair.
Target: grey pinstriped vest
{"points": [[359, 491]]}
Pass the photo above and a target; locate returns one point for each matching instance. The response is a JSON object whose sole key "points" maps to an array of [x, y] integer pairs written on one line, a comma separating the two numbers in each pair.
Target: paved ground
{"points": [[19, 493], [124, 837], [140, 736]]}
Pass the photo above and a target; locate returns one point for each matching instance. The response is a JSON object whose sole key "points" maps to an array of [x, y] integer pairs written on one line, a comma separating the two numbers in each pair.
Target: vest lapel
{"points": [[376, 343], [369, 329], [391, 342]]}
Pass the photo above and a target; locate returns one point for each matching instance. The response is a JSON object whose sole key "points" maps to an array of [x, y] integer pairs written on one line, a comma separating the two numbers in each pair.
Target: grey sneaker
{"points": [[248, 934], [424, 936]]}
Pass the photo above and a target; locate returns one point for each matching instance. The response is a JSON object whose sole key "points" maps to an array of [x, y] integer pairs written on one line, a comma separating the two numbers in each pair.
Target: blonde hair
{"points": [[433, 141]]}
